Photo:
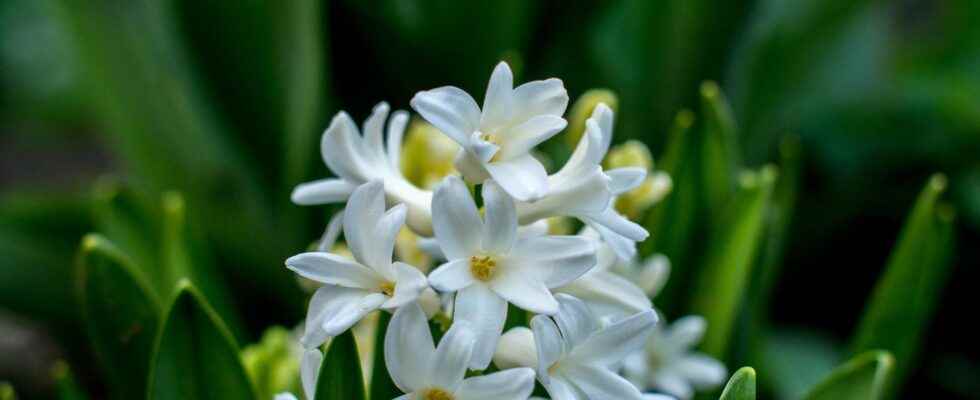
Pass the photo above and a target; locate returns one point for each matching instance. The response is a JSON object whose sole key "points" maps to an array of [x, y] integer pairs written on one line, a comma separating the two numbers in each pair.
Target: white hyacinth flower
{"points": [[309, 368], [669, 365], [575, 358], [488, 267], [496, 141], [357, 159], [353, 288], [428, 372], [581, 189]]}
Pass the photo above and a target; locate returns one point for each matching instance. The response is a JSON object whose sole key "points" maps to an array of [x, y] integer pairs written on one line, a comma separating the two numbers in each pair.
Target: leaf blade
{"points": [[340, 373], [862, 378], [741, 386]]}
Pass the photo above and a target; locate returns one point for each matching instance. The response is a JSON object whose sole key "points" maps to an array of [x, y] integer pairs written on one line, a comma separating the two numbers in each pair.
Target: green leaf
{"points": [[719, 154], [66, 387], [862, 378], [382, 387], [730, 255], [7, 391], [196, 357], [126, 217], [905, 297], [121, 315], [340, 373], [741, 386], [795, 359]]}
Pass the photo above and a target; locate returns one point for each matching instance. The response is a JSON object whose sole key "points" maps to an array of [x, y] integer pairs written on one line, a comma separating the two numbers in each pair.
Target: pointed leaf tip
{"points": [[741, 386]]}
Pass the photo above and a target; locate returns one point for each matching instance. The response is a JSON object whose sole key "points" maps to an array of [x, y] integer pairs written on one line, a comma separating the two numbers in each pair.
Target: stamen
{"points": [[483, 267], [388, 288], [436, 394]]}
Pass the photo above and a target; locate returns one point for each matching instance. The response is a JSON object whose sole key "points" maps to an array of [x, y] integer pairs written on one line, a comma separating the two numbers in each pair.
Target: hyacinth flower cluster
{"points": [[594, 334]]}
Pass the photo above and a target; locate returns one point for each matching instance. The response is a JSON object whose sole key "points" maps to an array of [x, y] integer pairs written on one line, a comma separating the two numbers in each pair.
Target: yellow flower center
{"points": [[436, 394], [483, 267], [553, 368], [388, 288]]}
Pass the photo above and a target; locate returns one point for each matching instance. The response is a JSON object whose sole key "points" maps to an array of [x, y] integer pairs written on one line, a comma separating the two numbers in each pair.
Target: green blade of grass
{"points": [[340, 373], [862, 378]]}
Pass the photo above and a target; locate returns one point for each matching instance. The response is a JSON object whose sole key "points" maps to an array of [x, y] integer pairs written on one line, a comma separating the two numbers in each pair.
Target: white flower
{"points": [[581, 189], [353, 288], [496, 141], [427, 372], [488, 267], [357, 160], [669, 365], [575, 358], [309, 368]]}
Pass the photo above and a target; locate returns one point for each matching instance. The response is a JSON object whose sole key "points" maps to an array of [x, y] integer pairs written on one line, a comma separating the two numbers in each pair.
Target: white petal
{"points": [[653, 396], [482, 149], [486, 313], [364, 210], [448, 364], [626, 179], [516, 349], [534, 229], [373, 141], [500, 225], [431, 247], [332, 232], [602, 117], [385, 234], [600, 383], [449, 109], [686, 332], [497, 104], [396, 134], [409, 284], [702, 371], [520, 139], [574, 320], [524, 290], [342, 151], [354, 312], [455, 219], [285, 396], [653, 274], [623, 247], [523, 177], [323, 191], [326, 304], [452, 276], [561, 389], [615, 222], [470, 167], [583, 192], [613, 343], [608, 294], [408, 348], [309, 368], [673, 384], [333, 269], [511, 384], [545, 97], [556, 260], [549, 344]]}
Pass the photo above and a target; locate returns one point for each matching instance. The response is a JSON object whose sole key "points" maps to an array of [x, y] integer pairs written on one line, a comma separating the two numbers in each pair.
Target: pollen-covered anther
{"points": [[483, 267], [436, 394], [388, 288]]}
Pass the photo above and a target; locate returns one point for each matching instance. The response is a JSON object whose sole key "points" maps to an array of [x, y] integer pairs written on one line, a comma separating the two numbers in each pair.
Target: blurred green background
{"points": [[108, 106]]}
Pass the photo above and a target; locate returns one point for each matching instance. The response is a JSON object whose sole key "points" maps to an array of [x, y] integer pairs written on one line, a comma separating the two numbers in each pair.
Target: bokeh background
{"points": [[224, 102]]}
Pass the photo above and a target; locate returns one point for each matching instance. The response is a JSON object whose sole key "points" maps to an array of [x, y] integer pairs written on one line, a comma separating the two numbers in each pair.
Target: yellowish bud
{"points": [[273, 362], [582, 110], [407, 251], [653, 189], [427, 155]]}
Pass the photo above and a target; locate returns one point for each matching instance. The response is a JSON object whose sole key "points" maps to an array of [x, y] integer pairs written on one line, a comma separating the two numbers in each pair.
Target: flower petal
{"points": [[511, 384], [396, 135], [448, 364], [332, 232], [523, 177], [524, 290], [555, 260], [373, 142], [385, 234], [327, 302], [408, 348], [333, 269], [500, 225], [549, 344], [600, 383], [497, 105], [621, 246], [544, 97], [354, 312], [516, 349], [613, 343], [702, 371], [626, 179], [285, 396], [409, 284], [686, 332], [309, 368], [452, 276], [608, 294], [520, 139], [342, 151], [449, 109], [619, 224], [486, 312], [455, 219], [673, 384], [364, 210], [574, 320], [323, 191], [561, 389]]}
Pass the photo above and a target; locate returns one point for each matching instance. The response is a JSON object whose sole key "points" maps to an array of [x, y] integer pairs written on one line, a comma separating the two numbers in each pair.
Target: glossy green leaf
{"points": [[905, 297], [121, 314], [741, 386], [340, 373], [382, 387], [862, 378], [196, 357], [730, 255], [719, 154]]}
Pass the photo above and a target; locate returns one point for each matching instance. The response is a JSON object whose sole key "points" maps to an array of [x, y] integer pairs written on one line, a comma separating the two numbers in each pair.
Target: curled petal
{"points": [[451, 110], [323, 191], [408, 348]]}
